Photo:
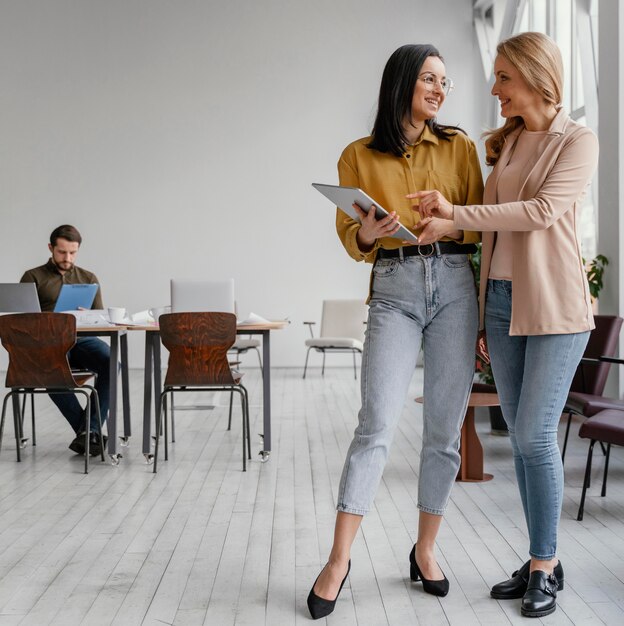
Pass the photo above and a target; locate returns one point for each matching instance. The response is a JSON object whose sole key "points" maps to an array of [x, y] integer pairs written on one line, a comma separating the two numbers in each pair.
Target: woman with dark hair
{"points": [[419, 294], [534, 300]]}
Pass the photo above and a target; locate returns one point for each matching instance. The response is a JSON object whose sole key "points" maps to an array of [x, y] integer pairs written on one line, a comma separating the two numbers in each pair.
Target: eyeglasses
{"points": [[446, 84]]}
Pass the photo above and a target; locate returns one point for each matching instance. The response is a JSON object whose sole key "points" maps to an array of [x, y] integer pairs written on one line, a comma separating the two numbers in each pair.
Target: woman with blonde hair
{"points": [[534, 301]]}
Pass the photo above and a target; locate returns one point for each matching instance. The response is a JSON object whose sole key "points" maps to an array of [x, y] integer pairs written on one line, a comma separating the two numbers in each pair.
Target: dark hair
{"points": [[395, 99], [66, 231]]}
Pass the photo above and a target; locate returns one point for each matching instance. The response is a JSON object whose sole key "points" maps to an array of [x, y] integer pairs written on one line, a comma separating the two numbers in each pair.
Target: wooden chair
{"points": [[198, 344], [606, 426], [585, 397], [38, 344]]}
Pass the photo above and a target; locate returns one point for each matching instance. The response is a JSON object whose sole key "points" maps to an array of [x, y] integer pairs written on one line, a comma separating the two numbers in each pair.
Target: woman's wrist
{"points": [[364, 245]]}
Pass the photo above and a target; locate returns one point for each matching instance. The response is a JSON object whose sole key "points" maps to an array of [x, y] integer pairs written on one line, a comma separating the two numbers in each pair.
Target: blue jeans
{"points": [[533, 375], [89, 353], [419, 299]]}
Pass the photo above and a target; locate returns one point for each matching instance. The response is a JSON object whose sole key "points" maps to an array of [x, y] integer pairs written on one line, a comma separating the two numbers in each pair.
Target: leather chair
{"points": [[342, 330], [38, 344], [585, 397], [606, 426], [198, 344]]}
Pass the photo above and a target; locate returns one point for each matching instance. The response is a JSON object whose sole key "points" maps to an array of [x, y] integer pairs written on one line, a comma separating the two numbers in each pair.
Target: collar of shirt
{"points": [[51, 266], [427, 135]]}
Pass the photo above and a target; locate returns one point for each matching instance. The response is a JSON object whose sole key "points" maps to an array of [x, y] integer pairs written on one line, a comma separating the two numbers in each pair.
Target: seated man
{"points": [[89, 353]]}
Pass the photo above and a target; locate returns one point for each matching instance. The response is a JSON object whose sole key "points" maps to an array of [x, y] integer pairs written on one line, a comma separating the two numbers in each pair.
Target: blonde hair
{"points": [[538, 59]]}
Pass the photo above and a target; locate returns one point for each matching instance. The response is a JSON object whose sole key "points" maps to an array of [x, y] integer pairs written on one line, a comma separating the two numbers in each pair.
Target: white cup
{"points": [[116, 314], [157, 311]]}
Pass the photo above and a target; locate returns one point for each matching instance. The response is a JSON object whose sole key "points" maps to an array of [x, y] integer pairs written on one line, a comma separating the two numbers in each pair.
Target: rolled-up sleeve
{"points": [[347, 227]]}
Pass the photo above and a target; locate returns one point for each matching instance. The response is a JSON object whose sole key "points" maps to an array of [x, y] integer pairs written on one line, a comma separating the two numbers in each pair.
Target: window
{"points": [[573, 25]]}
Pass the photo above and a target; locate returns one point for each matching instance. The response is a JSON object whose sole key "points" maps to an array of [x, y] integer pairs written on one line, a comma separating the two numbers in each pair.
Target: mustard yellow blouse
{"points": [[452, 167]]}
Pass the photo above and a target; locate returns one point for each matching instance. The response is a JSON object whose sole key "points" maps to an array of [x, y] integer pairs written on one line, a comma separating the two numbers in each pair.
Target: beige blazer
{"points": [[550, 293]]}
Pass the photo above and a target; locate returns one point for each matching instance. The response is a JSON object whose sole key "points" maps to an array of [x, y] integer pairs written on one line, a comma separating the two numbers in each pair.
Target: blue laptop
{"points": [[74, 297]]}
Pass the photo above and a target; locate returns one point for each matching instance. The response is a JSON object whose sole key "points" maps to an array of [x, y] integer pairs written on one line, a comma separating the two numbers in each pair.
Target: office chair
{"points": [[585, 397], [38, 344], [198, 345], [342, 330], [606, 426]]}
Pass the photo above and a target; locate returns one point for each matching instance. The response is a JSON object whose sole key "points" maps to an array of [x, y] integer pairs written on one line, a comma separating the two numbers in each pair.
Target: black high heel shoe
{"points": [[434, 587], [320, 607]]}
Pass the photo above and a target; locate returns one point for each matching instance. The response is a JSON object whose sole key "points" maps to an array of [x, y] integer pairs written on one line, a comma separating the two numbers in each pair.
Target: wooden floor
{"points": [[203, 543]]}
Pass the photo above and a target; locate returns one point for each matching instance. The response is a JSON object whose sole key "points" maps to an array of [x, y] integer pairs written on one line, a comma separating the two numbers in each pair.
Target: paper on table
{"points": [[252, 318], [91, 317]]}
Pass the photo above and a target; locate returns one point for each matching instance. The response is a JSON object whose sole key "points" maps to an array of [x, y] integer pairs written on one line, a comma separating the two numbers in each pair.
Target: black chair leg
{"points": [[23, 438], [603, 493], [579, 517], [16, 423], [32, 417], [247, 421], [172, 420], [20, 407], [565, 438], [4, 406], [166, 429], [230, 416], [305, 367], [158, 429], [323, 368], [354, 366], [96, 401], [89, 408], [242, 399]]}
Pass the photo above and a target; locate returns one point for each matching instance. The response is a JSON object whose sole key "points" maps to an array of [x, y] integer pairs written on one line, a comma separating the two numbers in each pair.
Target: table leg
{"points": [[266, 394], [471, 451], [157, 377], [112, 410], [147, 398], [125, 389]]}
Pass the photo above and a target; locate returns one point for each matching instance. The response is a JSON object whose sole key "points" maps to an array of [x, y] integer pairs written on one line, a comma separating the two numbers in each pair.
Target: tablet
{"points": [[73, 297], [344, 197]]}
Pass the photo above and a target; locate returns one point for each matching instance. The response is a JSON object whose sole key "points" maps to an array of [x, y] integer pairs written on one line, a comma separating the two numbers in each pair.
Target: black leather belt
{"points": [[429, 249]]}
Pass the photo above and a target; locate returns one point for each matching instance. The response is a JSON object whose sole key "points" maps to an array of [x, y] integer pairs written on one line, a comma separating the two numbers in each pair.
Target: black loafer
{"points": [[541, 596], [95, 448], [78, 444], [516, 586]]}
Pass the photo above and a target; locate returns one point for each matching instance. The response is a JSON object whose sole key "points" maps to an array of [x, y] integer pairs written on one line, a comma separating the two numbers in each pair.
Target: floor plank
{"points": [[201, 542]]}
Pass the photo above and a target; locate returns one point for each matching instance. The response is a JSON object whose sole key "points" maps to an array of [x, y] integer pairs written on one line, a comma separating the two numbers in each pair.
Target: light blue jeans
{"points": [[428, 300], [533, 376]]}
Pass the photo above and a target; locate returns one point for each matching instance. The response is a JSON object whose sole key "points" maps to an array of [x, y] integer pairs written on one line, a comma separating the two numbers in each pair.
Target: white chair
{"points": [[342, 330], [243, 345]]}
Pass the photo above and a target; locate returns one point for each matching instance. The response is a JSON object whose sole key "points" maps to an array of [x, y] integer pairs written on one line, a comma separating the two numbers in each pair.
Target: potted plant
{"points": [[595, 271]]}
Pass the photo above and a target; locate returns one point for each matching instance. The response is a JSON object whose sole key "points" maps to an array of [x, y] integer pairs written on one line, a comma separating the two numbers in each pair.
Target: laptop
{"points": [[202, 296], [74, 297], [19, 298]]}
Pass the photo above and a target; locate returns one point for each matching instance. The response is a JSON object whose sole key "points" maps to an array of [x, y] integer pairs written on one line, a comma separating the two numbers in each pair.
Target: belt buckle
{"points": [[420, 253]]}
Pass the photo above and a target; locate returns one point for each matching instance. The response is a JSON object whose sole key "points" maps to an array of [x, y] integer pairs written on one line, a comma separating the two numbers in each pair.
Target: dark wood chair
{"points": [[198, 344], [38, 344], [606, 427], [585, 397]]}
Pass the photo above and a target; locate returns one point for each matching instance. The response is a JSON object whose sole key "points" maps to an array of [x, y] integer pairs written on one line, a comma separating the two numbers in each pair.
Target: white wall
{"points": [[181, 138]]}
